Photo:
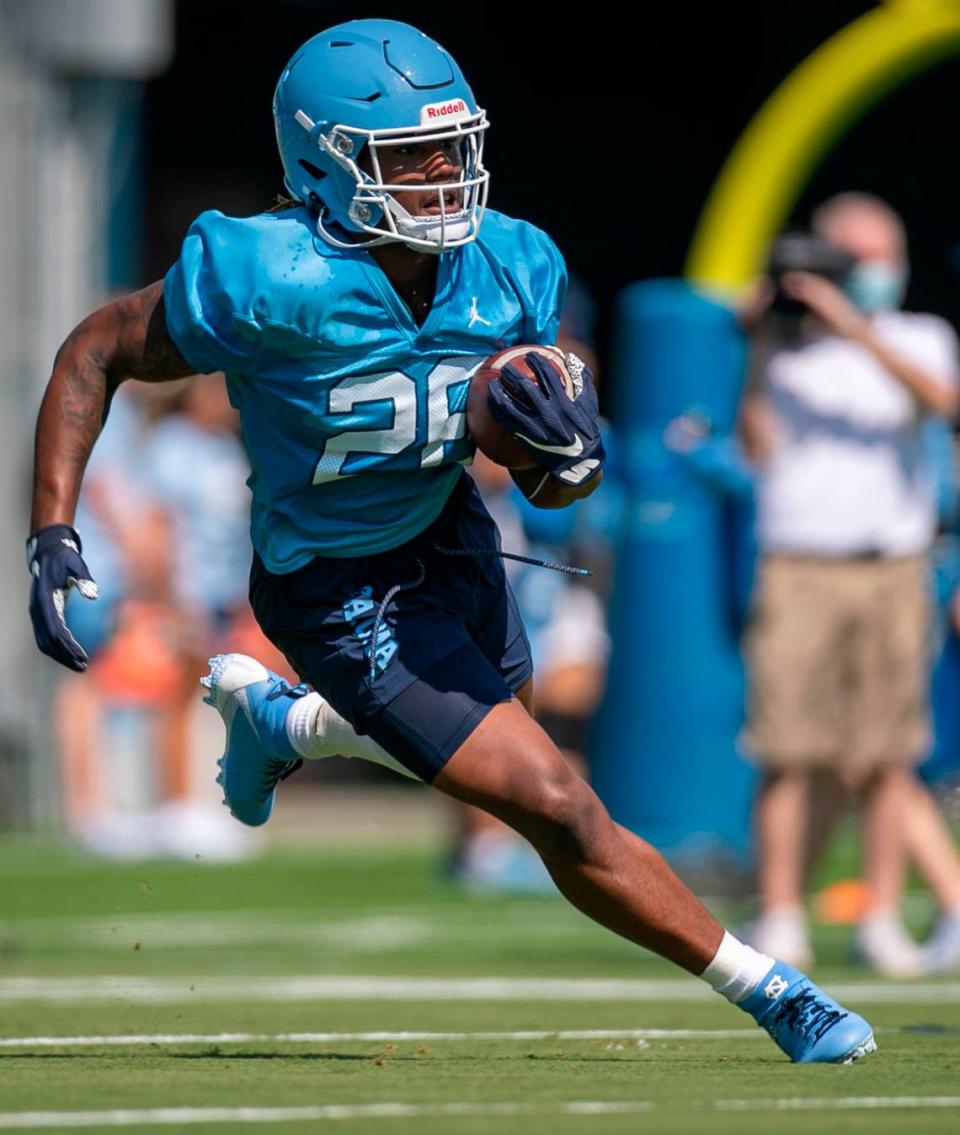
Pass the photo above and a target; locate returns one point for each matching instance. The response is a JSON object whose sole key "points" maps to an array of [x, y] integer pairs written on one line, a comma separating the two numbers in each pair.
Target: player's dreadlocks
{"points": [[282, 203]]}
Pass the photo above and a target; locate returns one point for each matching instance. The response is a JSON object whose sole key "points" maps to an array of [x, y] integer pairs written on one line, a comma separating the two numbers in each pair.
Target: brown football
{"points": [[491, 438]]}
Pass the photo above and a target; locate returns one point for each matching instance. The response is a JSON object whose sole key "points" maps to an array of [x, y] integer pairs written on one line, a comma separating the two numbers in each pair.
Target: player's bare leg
{"points": [[510, 768], [489, 857]]}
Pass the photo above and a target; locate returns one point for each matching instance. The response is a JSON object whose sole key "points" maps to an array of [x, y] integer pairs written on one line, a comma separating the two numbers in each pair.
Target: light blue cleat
{"points": [[809, 1026], [253, 702]]}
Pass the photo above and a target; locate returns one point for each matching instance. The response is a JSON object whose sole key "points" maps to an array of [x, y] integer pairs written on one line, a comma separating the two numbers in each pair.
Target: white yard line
{"points": [[341, 1038], [177, 990], [182, 1116], [839, 1103], [344, 929]]}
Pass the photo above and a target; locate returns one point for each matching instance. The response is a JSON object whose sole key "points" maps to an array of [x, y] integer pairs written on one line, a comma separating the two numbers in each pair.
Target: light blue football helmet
{"points": [[378, 83]]}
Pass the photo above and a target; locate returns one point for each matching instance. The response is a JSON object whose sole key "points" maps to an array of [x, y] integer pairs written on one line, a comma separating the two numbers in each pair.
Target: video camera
{"points": [[798, 251]]}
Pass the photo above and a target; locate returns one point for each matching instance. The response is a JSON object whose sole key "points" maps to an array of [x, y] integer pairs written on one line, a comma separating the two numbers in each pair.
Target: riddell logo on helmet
{"points": [[436, 111]]}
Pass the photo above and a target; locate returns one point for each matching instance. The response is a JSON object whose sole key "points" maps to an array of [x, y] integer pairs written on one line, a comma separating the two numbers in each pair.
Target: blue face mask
{"points": [[875, 286]]}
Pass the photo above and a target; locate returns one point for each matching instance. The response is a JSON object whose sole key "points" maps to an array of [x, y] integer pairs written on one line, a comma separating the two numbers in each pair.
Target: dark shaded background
{"points": [[607, 130]]}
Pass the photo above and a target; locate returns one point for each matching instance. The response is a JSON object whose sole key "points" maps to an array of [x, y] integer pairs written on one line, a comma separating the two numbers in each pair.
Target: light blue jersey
{"points": [[353, 416]]}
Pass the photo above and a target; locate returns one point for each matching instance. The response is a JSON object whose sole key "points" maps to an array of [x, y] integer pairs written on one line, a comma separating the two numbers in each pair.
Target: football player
{"points": [[348, 325]]}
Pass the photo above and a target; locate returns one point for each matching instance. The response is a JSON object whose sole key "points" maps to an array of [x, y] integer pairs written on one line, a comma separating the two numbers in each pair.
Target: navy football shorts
{"points": [[420, 672]]}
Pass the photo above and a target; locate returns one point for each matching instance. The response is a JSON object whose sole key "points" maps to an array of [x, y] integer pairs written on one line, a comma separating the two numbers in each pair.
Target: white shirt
{"points": [[848, 473]]}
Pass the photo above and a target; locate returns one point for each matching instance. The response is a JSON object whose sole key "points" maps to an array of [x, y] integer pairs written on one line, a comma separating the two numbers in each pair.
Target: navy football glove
{"points": [[53, 557], [563, 433]]}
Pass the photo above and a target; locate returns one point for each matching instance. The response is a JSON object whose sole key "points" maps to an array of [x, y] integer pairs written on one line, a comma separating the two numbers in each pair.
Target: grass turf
{"points": [[387, 913]]}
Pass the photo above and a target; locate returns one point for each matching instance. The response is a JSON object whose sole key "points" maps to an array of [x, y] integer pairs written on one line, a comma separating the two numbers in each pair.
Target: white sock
{"points": [[736, 969], [316, 730]]}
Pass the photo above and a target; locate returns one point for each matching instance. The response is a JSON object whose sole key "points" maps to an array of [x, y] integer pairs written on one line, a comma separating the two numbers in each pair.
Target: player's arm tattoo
{"points": [[147, 351], [124, 339]]}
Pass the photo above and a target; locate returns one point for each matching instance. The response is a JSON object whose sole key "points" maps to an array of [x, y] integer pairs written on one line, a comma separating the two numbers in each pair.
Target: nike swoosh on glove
{"points": [[53, 557], [563, 433]]}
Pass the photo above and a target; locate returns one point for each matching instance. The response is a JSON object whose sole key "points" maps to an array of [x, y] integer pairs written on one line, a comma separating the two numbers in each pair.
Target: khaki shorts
{"points": [[838, 657]]}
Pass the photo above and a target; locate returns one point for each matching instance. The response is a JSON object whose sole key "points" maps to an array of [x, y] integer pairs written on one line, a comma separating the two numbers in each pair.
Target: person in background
{"points": [[166, 517], [838, 650], [930, 845], [196, 466], [125, 538]]}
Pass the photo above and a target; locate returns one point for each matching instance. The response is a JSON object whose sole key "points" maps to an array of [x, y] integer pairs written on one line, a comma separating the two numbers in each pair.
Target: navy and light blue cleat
{"points": [[809, 1026], [253, 702]]}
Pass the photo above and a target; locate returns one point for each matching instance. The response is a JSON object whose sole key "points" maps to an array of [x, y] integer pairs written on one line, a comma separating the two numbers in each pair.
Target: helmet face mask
{"points": [[373, 119], [374, 208]]}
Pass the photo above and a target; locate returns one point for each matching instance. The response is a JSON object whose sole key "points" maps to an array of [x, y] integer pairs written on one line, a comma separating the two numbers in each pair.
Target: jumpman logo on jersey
{"points": [[475, 316]]}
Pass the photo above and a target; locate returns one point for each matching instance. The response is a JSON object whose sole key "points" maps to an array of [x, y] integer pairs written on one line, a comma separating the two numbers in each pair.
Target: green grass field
{"points": [[126, 989]]}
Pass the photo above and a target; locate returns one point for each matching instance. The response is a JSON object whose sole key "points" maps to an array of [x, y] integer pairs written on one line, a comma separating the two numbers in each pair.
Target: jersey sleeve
{"points": [[530, 265], [545, 286], [206, 296]]}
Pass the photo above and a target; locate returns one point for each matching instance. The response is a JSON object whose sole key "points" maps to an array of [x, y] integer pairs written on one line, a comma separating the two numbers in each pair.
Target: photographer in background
{"points": [[841, 383]]}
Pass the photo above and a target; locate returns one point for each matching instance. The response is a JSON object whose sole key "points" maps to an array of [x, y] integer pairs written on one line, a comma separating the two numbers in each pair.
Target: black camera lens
{"points": [[798, 251]]}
